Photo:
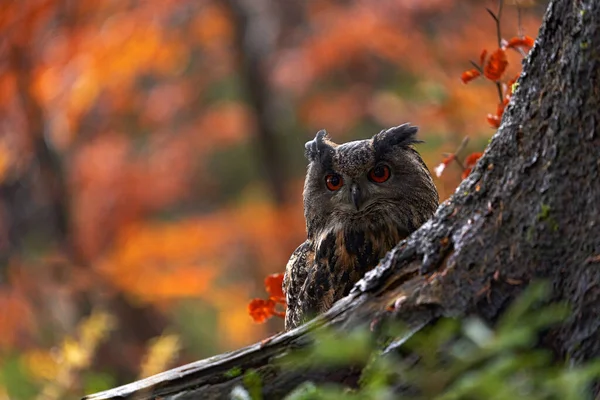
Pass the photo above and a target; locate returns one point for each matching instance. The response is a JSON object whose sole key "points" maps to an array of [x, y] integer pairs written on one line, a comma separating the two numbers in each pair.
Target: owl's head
{"points": [[366, 180]]}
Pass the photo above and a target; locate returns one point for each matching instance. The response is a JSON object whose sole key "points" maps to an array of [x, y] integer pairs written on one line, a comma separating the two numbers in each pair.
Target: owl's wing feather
{"points": [[296, 272], [319, 291], [328, 275]]}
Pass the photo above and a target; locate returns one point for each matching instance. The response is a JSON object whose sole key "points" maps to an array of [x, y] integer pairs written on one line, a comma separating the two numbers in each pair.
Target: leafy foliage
{"points": [[454, 359], [492, 68]]}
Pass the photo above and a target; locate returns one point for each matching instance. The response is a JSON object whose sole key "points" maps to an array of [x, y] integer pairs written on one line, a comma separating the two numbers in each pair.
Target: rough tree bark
{"points": [[530, 209]]}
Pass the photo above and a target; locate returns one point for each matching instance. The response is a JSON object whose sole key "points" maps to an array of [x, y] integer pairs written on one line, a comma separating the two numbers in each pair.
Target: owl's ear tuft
{"points": [[402, 135], [318, 148]]}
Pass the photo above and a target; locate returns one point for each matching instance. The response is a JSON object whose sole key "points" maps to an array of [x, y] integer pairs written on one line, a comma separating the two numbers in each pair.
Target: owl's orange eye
{"points": [[379, 174], [334, 182]]}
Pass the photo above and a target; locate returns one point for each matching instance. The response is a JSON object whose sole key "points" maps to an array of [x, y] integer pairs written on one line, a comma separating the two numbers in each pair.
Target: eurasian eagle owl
{"points": [[360, 199]]}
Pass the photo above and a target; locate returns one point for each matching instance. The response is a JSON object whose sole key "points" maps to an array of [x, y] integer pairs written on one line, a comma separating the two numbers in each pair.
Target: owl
{"points": [[360, 199]]}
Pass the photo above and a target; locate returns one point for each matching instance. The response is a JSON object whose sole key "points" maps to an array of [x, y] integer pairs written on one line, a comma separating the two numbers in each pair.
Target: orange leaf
{"points": [[261, 310], [449, 159], [500, 108], [493, 120], [274, 286], [472, 159], [525, 43], [470, 162], [482, 57], [496, 65], [466, 173], [469, 75], [440, 168]]}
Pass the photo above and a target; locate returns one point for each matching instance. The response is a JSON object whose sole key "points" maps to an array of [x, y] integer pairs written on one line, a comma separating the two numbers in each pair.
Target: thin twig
{"points": [[519, 22], [520, 31], [500, 94], [498, 19], [460, 148], [492, 14], [477, 67], [462, 145]]}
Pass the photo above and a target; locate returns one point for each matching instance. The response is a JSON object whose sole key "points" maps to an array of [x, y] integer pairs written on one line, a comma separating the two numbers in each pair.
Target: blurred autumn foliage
{"points": [[151, 161]]}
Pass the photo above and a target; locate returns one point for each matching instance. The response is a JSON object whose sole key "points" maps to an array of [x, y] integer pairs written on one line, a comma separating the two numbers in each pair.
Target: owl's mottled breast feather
{"points": [[319, 274]]}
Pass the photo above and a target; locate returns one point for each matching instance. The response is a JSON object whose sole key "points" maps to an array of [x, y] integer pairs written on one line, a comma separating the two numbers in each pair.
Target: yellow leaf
{"points": [[41, 364], [161, 352], [95, 328], [74, 355]]}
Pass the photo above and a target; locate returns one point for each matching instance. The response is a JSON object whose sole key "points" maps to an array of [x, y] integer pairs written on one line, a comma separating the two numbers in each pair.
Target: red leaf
{"points": [[500, 108], [469, 75], [449, 158], [496, 65], [466, 173], [440, 168], [482, 57], [472, 159], [470, 162], [493, 120], [274, 286], [261, 310], [525, 43]]}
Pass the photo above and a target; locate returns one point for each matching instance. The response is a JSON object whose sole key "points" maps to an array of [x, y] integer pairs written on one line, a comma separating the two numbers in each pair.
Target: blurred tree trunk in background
{"points": [[529, 210], [258, 28], [27, 218], [260, 25]]}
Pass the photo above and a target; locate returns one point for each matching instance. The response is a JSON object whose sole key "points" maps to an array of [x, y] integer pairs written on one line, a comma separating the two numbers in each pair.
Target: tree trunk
{"points": [[530, 209], [258, 26]]}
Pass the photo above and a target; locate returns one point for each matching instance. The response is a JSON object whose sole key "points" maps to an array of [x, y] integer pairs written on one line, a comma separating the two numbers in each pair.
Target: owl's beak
{"points": [[355, 193]]}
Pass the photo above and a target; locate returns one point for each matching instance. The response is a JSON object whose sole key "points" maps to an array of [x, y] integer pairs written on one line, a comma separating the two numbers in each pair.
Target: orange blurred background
{"points": [[151, 160]]}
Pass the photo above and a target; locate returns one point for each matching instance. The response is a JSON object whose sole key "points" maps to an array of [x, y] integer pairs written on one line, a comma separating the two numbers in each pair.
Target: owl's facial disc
{"points": [[355, 196]]}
